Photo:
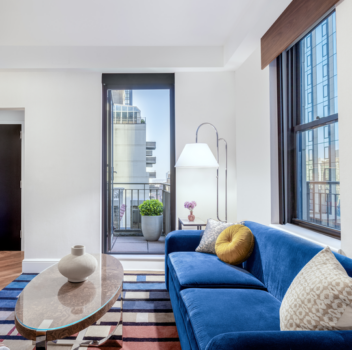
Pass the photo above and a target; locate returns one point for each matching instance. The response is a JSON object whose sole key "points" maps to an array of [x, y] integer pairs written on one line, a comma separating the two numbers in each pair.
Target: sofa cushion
{"points": [[210, 312], [210, 235], [319, 298], [200, 270], [235, 244]]}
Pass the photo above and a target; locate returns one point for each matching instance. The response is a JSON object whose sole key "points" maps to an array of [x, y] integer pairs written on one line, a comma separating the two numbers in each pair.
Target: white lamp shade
{"points": [[197, 155]]}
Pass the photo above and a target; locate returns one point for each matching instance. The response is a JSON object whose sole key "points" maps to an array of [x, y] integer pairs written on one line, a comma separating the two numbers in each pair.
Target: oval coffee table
{"points": [[51, 308]]}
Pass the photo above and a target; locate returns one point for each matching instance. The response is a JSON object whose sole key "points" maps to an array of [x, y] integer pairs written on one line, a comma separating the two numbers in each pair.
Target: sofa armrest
{"points": [[180, 241], [282, 340]]}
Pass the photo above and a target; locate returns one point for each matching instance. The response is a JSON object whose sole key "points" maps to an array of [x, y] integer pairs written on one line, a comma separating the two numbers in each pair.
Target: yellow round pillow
{"points": [[235, 244]]}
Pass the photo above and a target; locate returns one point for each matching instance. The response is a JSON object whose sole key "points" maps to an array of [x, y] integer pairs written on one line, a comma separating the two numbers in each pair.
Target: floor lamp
{"points": [[199, 155]]}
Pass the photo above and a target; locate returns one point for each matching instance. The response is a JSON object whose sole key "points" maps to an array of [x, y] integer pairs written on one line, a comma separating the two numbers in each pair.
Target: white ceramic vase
{"points": [[78, 265]]}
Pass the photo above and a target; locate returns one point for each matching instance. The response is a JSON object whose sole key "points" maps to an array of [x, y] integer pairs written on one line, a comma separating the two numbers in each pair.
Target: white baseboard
{"points": [[37, 265], [129, 262], [142, 262]]}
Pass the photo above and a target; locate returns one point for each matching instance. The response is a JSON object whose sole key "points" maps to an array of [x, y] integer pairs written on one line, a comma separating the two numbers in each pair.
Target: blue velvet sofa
{"points": [[222, 307]]}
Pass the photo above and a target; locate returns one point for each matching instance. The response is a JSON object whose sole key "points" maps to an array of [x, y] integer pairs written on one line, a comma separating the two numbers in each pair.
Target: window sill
{"points": [[310, 235]]}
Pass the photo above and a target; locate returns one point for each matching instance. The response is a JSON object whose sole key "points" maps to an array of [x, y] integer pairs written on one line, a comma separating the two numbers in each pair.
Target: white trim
{"points": [[37, 265], [142, 262], [310, 235], [129, 262], [274, 141]]}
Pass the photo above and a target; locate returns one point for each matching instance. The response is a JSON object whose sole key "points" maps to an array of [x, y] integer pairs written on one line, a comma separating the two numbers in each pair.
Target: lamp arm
{"points": [[225, 178], [217, 137], [217, 170]]}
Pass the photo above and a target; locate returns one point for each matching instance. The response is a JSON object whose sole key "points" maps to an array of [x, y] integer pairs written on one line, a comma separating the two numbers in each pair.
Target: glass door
{"points": [[139, 153]]}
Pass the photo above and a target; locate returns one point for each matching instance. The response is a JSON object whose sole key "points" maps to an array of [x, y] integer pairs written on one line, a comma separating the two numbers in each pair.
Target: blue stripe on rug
{"points": [[141, 278], [16, 285], [7, 303], [24, 278], [147, 305], [159, 295], [11, 337], [143, 286], [9, 293]]}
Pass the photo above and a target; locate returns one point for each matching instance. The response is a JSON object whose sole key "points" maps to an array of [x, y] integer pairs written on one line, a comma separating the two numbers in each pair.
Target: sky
{"points": [[155, 108]]}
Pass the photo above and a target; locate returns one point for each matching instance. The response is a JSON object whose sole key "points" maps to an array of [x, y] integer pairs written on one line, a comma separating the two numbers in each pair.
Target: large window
{"points": [[308, 131]]}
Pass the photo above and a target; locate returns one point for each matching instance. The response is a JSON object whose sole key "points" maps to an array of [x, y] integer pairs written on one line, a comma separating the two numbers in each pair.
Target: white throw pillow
{"points": [[210, 235], [319, 298]]}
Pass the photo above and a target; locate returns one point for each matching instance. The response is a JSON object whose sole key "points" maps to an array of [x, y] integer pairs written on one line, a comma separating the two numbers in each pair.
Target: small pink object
{"points": [[191, 217], [190, 206], [122, 211]]}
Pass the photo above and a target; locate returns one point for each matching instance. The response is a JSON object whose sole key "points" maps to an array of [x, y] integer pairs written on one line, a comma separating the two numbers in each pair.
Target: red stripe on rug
{"points": [[143, 345], [9, 333], [150, 332], [151, 346]]}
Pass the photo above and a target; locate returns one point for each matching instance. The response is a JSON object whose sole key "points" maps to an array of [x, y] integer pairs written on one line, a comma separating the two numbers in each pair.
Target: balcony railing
{"points": [[151, 160], [128, 118], [323, 204], [126, 199], [151, 145]]}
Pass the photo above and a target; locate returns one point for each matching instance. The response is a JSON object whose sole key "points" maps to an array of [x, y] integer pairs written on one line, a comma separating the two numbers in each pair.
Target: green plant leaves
{"points": [[151, 207]]}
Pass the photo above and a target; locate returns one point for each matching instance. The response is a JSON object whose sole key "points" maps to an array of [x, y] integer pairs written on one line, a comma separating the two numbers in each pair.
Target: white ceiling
{"points": [[135, 34]]}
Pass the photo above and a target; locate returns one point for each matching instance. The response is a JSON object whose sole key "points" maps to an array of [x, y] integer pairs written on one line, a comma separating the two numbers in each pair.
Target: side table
{"points": [[185, 222]]}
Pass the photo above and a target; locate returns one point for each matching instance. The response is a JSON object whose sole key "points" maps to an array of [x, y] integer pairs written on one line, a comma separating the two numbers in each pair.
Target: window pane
{"points": [[318, 189], [319, 72], [141, 165]]}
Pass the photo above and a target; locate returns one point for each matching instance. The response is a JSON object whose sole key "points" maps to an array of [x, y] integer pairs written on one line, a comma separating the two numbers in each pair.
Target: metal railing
{"points": [[323, 205], [151, 145], [151, 160], [128, 196], [128, 118]]}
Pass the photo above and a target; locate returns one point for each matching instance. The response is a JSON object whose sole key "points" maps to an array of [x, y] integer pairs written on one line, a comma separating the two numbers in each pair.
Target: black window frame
{"points": [[135, 81], [288, 97]]}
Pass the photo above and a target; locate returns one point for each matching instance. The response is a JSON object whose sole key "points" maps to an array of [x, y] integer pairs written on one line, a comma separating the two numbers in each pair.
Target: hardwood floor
{"points": [[10, 267]]}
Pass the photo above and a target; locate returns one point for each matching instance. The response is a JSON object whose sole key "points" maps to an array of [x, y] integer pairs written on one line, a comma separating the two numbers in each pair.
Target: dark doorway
{"points": [[10, 187]]}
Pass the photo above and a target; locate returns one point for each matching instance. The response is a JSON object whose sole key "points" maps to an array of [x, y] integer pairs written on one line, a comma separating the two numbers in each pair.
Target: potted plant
{"points": [[152, 219]]}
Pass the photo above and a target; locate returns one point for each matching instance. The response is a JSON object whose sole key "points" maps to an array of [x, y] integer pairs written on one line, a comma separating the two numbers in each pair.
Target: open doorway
{"points": [[11, 124], [139, 154]]}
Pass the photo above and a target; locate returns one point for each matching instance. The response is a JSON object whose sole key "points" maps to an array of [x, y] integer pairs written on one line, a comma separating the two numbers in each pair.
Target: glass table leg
{"points": [[40, 342]]}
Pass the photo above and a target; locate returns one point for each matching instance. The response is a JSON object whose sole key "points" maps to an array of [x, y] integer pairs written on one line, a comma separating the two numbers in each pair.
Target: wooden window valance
{"points": [[297, 18]]}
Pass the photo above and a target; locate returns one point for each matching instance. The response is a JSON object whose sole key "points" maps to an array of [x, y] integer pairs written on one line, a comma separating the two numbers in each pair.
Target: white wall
{"points": [[205, 97], [253, 141], [62, 169], [344, 54]]}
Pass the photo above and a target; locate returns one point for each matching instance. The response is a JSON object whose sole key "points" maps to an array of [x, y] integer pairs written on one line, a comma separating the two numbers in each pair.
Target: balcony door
{"points": [[138, 158]]}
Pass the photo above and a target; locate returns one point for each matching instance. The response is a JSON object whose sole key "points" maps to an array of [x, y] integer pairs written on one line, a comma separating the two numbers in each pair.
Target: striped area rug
{"points": [[148, 320]]}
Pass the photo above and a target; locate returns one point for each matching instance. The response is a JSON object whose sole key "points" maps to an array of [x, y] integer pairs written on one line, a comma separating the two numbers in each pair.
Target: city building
{"points": [[132, 153], [132, 156]]}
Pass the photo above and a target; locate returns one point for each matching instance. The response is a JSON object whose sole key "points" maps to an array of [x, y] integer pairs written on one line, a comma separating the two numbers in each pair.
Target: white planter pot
{"points": [[152, 227], [78, 265]]}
